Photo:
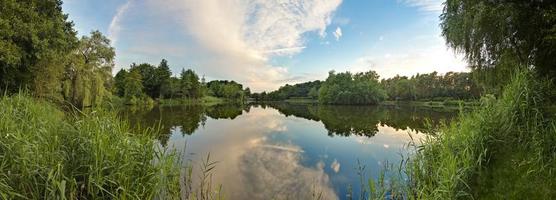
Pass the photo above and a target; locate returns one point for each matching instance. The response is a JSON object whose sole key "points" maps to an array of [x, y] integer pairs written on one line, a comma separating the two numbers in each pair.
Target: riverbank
{"points": [[505, 149], [448, 104], [205, 101], [47, 153]]}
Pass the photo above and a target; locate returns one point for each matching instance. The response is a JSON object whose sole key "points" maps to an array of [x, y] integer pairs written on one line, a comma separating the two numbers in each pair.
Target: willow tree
{"points": [[496, 36], [88, 76]]}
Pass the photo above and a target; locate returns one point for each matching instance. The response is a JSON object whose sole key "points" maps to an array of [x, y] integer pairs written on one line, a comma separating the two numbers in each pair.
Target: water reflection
{"points": [[289, 151], [338, 120]]}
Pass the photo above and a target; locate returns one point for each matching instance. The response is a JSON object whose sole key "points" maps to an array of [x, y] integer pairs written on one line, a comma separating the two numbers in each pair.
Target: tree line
{"points": [[365, 88], [146, 81], [300, 90], [432, 86]]}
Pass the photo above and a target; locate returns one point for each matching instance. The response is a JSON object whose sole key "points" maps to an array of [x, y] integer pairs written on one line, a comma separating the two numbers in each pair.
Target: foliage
{"points": [[307, 89], [48, 155], [36, 42], [347, 88], [227, 89], [189, 84], [163, 74], [453, 85], [88, 75], [470, 157], [502, 34]]}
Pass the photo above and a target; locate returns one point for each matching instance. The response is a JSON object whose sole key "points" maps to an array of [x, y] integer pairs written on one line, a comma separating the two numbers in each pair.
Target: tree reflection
{"points": [[364, 120], [185, 118], [338, 120]]}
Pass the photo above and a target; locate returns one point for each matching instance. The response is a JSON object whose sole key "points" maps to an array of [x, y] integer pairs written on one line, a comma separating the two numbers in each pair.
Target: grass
{"points": [[301, 100], [506, 149], [48, 154], [206, 101], [446, 104]]}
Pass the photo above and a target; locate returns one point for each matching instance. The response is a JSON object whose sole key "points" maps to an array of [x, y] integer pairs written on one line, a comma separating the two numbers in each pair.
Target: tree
{"points": [[163, 74], [87, 78], [498, 36], [189, 84], [149, 79], [133, 84], [119, 82], [313, 93], [347, 88], [35, 43]]}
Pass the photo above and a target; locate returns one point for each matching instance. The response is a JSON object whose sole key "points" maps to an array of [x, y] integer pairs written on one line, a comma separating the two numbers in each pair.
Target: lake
{"points": [[291, 151]]}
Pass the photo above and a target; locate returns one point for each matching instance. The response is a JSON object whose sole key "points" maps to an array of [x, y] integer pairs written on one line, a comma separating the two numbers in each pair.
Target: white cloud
{"points": [[114, 28], [335, 166], [239, 37], [410, 61], [338, 33], [433, 6]]}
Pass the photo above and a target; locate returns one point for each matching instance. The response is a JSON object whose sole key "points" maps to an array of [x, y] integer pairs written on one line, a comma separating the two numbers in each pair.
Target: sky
{"points": [[264, 44]]}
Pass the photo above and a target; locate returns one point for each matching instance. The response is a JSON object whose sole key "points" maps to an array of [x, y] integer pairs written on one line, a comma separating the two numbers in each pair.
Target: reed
{"points": [[46, 153]]}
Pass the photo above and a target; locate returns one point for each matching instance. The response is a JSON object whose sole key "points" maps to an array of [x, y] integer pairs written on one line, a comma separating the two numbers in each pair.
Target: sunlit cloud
{"points": [[239, 37], [433, 6], [335, 166], [410, 61], [337, 33], [115, 24]]}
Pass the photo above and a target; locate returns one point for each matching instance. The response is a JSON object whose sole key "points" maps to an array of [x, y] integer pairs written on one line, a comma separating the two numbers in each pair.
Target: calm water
{"points": [[284, 150]]}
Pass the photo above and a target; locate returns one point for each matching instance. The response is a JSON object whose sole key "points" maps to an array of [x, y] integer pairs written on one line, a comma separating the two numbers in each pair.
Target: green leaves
{"points": [[347, 88], [488, 32]]}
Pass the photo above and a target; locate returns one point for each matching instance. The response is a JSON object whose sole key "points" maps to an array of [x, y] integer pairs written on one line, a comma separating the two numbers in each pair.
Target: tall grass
{"points": [[48, 154], [505, 149]]}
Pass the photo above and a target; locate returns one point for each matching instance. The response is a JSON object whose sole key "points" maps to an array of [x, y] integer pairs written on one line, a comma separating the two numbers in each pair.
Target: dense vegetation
{"points": [[347, 88], [506, 148], [41, 53], [364, 88], [147, 82], [432, 86], [301, 90], [46, 153]]}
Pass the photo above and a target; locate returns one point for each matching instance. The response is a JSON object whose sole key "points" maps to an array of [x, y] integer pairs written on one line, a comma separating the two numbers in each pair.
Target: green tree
{"points": [[163, 74], [119, 82], [133, 84], [498, 36], [149, 79], [36, 40], [189, 84], [87, 77], [313, 93], [347, 88]]}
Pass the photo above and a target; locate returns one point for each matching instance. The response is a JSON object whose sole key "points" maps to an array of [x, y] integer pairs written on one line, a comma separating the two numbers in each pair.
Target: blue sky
{"points": [[264, 44]]}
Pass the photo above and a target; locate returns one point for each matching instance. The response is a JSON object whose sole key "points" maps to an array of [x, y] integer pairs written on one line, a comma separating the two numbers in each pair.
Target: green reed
{"points": [[504, 149], [46, 153]]}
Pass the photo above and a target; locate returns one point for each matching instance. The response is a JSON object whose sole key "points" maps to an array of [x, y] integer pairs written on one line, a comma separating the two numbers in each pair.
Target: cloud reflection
{"points": [[274, 171]]}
